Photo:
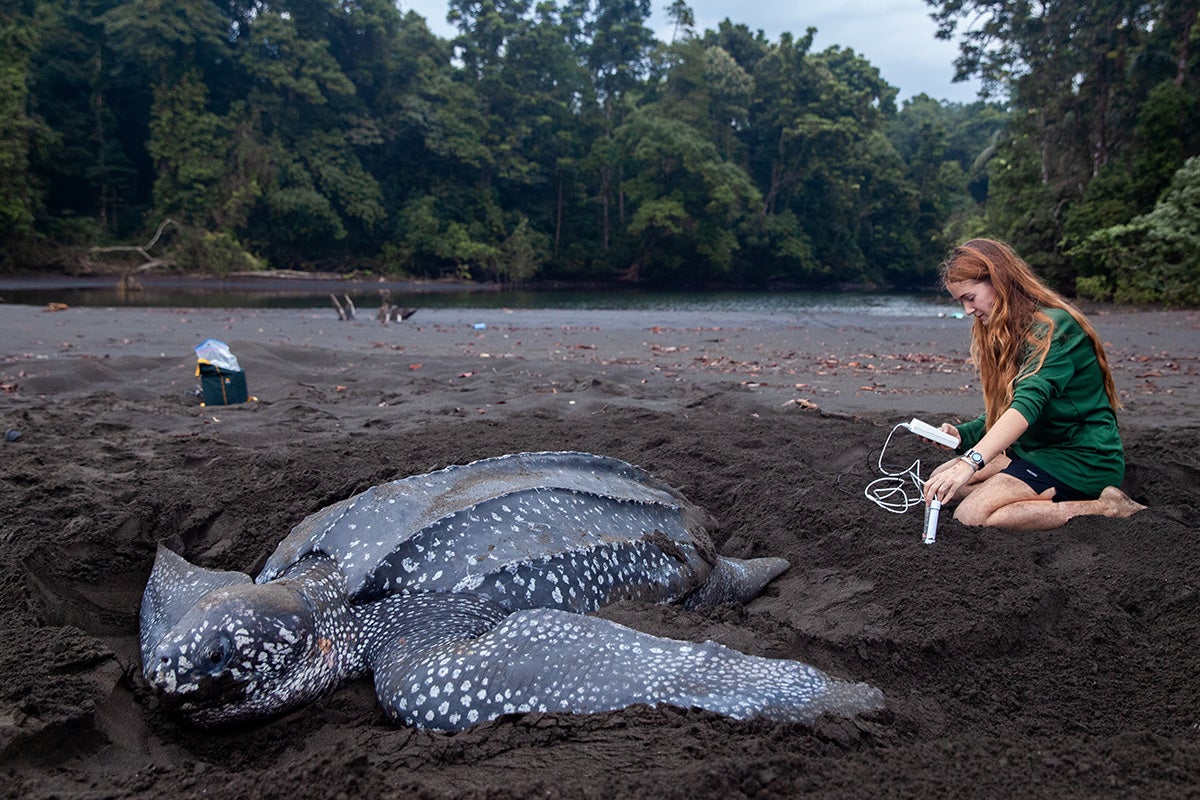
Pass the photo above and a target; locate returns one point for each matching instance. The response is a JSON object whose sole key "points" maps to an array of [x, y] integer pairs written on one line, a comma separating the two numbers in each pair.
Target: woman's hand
{"points": [[947, 479], [946, 427]]}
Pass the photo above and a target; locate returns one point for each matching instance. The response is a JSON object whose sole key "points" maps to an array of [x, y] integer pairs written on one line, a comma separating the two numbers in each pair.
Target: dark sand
{"points": [[1062, 664]]}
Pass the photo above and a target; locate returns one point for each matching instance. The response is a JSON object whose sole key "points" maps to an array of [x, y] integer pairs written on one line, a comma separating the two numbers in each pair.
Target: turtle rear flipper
{"points": [[735, 580], [549, 660]]}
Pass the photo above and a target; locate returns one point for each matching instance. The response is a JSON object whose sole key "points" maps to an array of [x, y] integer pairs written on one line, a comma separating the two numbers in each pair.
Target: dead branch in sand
{"points": [[346, 311], [389, 311]]}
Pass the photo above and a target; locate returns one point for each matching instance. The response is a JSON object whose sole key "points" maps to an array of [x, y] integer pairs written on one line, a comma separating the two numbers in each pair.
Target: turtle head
{"points": [[220, 648]]}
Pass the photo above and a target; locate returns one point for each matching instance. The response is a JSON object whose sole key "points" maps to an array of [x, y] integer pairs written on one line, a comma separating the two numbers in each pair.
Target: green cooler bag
{"points": [[221, 387]]}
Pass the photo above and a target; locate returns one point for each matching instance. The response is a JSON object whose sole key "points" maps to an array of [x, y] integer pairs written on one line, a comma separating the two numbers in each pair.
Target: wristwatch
{"points": [[974, 458]]}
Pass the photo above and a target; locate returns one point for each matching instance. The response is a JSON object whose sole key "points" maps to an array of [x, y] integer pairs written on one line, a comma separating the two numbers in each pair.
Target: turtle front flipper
{"points": [[549, 660]]}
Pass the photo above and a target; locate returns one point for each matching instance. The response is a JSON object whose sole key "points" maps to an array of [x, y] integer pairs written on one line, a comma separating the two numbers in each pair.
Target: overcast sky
{"points": [[897, 36]]}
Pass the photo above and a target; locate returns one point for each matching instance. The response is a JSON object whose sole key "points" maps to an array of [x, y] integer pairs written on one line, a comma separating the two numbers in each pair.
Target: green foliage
{"points": [[1022, 209], [1155, 258], [340, 176], [302, 215], [1093, 287], [433, 242], [1172, 247], [947, 148], [190, 148], [21, 198], [1105, 102], [1129, 185], [163, 36], [783, 252], [294, 70], [689, 202], [201, 251], [821, 153], [520, 255], [1164, 134], [247, 171], [391, 260]]}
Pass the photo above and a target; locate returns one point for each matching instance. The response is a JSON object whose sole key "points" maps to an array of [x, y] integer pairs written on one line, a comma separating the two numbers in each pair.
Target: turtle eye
{"points": [[215, 654]]}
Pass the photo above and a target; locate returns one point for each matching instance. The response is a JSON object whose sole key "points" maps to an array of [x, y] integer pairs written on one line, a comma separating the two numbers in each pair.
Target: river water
{"points": [[262, 293]]}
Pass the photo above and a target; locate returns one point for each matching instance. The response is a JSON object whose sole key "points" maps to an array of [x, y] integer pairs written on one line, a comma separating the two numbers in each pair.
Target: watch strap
{"points": [[974, 458]]}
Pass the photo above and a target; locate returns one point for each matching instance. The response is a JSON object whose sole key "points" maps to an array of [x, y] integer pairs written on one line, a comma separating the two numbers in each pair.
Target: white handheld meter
{"points": [[924, 429], [931, 519]]}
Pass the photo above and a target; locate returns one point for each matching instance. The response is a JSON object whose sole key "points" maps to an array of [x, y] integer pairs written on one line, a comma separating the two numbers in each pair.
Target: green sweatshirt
{"points": [[1072, 428]]}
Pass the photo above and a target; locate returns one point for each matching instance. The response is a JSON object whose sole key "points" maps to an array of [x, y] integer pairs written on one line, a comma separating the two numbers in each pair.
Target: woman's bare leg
{"points": [[1003, 501]]}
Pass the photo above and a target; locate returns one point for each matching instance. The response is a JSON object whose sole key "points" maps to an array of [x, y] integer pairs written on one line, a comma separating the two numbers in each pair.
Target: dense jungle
{"points": [[562, 141]]}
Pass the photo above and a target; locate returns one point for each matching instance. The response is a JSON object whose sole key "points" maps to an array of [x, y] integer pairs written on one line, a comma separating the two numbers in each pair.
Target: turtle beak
{"points": [[201, 692], [162, 676]]}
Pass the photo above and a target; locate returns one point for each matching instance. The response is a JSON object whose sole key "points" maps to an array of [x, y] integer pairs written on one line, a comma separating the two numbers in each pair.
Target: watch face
{"points": [[978, 459]]}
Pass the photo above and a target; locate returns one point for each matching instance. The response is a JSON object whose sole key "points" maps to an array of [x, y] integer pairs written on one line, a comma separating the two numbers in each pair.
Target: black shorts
{"points": [[1039, 480]]}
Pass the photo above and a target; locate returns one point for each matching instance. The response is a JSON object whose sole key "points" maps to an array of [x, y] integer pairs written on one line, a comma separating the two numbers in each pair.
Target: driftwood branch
{"points": [[142, 250], [127, 281], [344, 311], [389, 311]]}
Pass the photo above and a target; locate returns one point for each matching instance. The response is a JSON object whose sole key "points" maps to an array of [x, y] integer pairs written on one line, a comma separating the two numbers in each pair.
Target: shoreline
{"points": [[844, 363]]}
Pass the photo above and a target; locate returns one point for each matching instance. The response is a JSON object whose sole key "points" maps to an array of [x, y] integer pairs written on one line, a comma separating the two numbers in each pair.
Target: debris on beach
{"points": [[345, 309], [222, 380], [389, 311]]}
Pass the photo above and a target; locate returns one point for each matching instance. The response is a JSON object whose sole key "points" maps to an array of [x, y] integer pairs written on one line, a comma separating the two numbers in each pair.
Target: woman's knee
{"points": [[972, 514], [991, 497]]}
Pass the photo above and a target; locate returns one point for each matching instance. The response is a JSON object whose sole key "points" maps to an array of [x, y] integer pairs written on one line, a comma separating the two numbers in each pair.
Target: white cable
{"points": [[884, 491]]}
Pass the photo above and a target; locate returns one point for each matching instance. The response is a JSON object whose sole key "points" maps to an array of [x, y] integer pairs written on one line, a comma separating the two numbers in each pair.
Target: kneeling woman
{"points": [[1046, 448]]}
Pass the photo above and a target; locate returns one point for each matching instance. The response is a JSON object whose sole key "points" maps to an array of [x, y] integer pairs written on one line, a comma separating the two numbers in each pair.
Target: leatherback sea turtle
{"points": [[465, 591]]}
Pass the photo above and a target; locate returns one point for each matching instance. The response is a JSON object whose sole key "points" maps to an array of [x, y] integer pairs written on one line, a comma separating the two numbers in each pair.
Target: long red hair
{"points": [[1017, 337]]}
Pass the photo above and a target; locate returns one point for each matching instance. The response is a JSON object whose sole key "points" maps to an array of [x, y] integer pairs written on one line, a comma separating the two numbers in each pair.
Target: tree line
{"points": [[562, 140]]}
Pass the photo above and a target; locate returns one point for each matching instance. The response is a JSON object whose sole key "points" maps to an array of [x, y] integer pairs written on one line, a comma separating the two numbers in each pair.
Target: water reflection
{"points": [[169, 293]]}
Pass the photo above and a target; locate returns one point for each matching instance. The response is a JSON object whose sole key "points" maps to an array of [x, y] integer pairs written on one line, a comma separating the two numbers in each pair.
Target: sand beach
{"points": [[1060, 664]]}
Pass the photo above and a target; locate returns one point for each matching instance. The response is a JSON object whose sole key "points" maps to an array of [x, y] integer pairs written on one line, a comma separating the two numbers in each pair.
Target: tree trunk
{"points": [[1100, 145], [1189, 18], [604, 186], [558, 216]]}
